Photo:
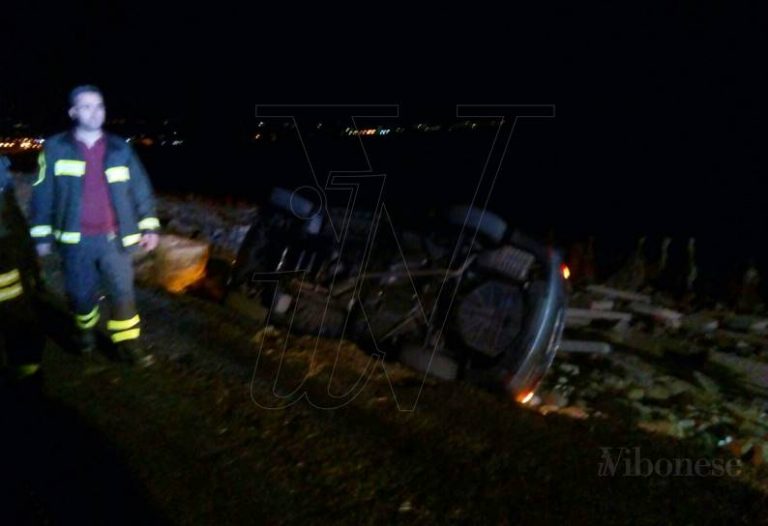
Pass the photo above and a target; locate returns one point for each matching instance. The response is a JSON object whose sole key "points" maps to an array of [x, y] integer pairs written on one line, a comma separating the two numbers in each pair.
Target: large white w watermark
{"points": [[357, 183]]}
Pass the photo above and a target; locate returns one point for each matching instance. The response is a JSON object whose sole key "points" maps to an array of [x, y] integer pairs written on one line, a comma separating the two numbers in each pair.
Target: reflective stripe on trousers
{"points": [[124, 330], [10, 285]]}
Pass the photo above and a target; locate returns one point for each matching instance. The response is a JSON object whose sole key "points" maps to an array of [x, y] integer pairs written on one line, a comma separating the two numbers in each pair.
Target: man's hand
{"points": [[149, 241], [43, 249]]}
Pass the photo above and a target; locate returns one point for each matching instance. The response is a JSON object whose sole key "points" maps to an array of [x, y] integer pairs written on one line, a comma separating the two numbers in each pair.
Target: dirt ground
{"points": [[237, 425]]}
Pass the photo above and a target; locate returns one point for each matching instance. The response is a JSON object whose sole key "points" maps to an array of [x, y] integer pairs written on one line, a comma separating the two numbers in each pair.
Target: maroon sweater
{"points": [[96, 213]]}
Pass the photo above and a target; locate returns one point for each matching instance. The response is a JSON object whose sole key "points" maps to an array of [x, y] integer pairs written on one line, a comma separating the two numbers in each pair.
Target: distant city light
{"points": [[367, 132], [21, 143], [264, 131]]}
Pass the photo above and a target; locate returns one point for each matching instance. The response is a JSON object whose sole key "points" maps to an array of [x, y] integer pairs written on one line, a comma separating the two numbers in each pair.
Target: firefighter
{"points": [[21, 336], [94, 199]]}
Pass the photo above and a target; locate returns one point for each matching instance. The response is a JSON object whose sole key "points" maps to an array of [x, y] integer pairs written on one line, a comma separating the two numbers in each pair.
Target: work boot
{"points": [[133, 352]]}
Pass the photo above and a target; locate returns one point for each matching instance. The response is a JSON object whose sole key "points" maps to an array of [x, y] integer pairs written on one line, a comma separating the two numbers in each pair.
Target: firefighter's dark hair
{"points": [[84, 88]]}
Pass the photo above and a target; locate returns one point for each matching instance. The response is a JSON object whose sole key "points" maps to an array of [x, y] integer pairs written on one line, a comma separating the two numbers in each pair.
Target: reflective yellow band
{"points": [[121, 325], [40, 231], [149, 223], [86, 321], [118, 174], [67, 237], [9, 277], [131, 240], [130, 334], [8, 293], [42, 165], [90, 323], [22, 371], [69, 167], [86, 317]]}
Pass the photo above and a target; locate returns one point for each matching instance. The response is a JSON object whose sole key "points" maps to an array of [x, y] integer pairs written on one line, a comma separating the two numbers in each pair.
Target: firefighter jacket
{"points": [[18, 261], [57, 192]]}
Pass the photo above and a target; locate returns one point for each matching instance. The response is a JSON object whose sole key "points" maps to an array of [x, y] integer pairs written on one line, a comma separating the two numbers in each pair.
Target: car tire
{"points": [[292, 202], [487, 223]]}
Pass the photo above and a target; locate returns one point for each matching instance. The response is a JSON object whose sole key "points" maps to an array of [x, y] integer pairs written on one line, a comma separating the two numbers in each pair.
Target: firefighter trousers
{"points": [[100, 260], [20, 334]]}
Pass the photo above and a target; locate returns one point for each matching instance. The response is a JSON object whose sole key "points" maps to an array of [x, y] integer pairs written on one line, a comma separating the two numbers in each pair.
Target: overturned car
{"points": [[462, 298]]}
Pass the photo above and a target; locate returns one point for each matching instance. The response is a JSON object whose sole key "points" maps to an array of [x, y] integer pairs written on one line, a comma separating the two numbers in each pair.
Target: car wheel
{"points": [[485, 222], [292, 202], [490, 317]]}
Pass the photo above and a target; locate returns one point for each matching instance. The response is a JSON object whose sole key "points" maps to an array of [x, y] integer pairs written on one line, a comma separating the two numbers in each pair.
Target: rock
{"points": [[175, 264], [223, 225], [576, 317], [618, 294], [752, 414], [676, 386], [748, 428], [644, 410], [569, 368], [672, 428], [621, 331], [758, 453], [707, 383], [662, 427], [602, 305], [554, 398], [755, 372], [668, 317], [574, 412], [735, 447], [658, 392], [614, 382], [700, 324], [726, 440], [747, 324], [686, 424], [534, 401], [589, 347], [663, 413], [577, 322], [743, 448]]}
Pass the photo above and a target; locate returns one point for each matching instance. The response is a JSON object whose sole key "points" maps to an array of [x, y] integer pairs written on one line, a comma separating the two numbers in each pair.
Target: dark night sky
{"points": [[659, 110]]}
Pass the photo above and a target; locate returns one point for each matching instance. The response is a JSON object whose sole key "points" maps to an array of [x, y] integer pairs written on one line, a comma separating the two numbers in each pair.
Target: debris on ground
{"points": [[176, 263], [693, 375]]}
